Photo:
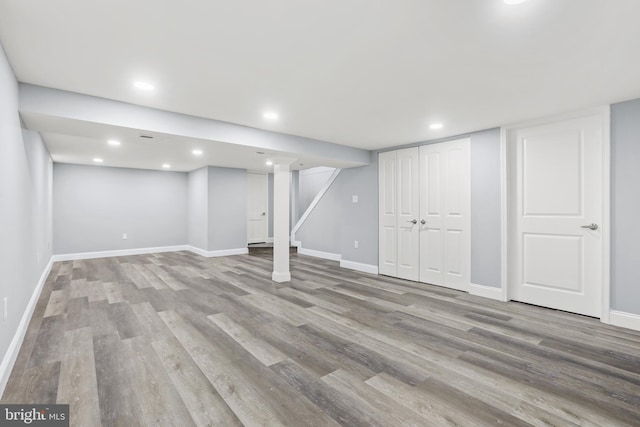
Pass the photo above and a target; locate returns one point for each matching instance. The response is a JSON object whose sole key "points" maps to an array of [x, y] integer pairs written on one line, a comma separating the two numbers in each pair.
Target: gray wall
{"points": [[359, 220], [94, 205], [321, 231], [227, 208], [25, 210], [485, 208], [625, 206], [336, 222], [198, 206], [311, 182]]}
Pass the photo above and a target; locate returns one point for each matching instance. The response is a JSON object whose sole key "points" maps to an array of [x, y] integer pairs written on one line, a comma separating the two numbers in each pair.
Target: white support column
{"points": [[281, 189]]}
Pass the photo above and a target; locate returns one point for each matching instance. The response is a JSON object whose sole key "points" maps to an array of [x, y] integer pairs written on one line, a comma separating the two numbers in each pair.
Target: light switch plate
{"points": [[354, 198]]}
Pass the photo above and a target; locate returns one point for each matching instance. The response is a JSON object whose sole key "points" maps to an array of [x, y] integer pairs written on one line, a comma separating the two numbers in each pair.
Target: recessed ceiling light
{"points": [[514, 1], [143, 86], [197, 152], [436, 126], [98, 160], [269, 162], [270, 115], [114, 142], [166, 166]]}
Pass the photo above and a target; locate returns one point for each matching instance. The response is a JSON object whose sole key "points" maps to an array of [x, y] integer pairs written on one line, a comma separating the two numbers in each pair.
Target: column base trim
{"points": [[280, 277]]}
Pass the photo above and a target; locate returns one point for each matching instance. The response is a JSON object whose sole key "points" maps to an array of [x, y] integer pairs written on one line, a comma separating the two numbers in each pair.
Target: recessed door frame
{"points": [[507, 170], [266, 201]]}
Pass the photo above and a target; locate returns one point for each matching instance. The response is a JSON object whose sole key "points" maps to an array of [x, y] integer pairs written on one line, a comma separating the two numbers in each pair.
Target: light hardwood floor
{"points": [[175, 339]]}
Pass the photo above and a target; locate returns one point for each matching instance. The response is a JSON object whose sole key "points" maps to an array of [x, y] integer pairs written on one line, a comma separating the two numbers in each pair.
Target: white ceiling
{"points": [[360, 73], [79, 142]]}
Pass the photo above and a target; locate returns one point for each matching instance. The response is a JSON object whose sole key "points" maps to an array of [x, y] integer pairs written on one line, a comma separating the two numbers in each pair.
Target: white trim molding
{"points": [[358, 266], [144, 251], [281, 277], [319, 254], [490, 292], [11, 355], [219, 253], [606, 216], [624, 320], [121, 252]]}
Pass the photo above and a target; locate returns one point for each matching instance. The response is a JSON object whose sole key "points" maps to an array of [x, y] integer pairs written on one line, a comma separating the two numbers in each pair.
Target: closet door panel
{"points": [[408, 213], [431, 215], [456, 221], [388, 221]]}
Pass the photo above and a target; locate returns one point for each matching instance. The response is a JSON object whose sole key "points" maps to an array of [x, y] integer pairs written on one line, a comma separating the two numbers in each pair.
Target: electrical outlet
{"points": [[124, 236], [355, 244], [4, 308], [354, 198]]}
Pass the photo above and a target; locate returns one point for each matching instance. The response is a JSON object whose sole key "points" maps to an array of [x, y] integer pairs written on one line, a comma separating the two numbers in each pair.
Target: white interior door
{"points": [[257, 202], [558, 194], [408, 213], [387, 214], [445, 187], [431, 214]]}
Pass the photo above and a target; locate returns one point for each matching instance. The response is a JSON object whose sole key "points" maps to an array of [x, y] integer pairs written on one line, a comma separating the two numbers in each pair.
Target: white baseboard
{"points": [[625, 320], [122, 252], [487, 292], [11, 355], [223, 252], [143, 251], [319, 254], [358, 266], [269, 240]]}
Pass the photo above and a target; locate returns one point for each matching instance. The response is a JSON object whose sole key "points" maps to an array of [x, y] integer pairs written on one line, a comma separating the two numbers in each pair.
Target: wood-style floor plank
{"points": [[176, 339], [206, 406], [78, 385]]}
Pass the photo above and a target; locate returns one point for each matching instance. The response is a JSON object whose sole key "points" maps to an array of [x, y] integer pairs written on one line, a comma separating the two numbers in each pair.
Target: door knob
{"points": [[264, 213], [590, 226], [413, 221], [423, 222]]}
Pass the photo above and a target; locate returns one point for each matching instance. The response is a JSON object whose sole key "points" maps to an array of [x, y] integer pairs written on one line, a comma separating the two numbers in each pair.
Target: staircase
{"points": [[266, 249]]}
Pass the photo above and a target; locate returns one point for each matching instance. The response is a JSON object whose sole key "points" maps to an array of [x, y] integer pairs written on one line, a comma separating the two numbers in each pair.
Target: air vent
{"points": [[151, 138]]}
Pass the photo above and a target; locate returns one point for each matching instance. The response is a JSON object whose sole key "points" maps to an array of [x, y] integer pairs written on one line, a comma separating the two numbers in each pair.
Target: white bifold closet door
{"points": [[387, 214], [408, 211], [424, 213], [445, 187], [398, 210]]}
